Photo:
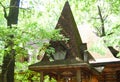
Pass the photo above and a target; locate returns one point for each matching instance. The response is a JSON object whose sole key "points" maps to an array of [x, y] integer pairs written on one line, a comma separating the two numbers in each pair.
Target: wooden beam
{"points": [[98, 64], [78, 75]]}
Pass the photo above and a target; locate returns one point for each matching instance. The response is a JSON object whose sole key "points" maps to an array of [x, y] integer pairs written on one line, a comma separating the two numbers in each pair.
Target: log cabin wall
{"points": [[107, 77], [111, 73], [110, 77], [118, 75]]}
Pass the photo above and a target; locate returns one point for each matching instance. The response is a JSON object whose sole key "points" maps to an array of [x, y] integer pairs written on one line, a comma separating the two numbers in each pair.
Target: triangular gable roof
{"points": [[69, 29], [67, 23]]}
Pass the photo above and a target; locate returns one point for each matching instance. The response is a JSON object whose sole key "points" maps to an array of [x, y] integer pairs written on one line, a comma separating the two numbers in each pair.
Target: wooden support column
{"points": [[41, 77], [86, 56], [78, 75], [58, 78]]}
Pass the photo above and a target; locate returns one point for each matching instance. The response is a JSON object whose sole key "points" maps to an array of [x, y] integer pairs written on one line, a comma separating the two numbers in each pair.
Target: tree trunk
{"points": [[13, 12], [9, 55], [8, 67]]}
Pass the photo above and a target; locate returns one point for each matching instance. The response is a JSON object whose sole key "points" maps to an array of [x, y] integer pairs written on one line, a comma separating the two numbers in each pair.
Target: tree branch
{"points": [[105, 17], [4, 9], [102, 22]]}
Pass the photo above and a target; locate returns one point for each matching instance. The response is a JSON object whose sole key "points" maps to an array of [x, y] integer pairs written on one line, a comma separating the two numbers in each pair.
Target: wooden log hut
{"points": [[72, 61]]}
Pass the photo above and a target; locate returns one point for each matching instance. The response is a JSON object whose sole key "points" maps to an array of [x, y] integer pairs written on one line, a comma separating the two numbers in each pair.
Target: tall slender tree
{"points": [[9, 53]]}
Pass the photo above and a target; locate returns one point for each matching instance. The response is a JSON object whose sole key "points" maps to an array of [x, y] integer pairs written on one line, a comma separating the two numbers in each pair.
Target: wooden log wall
{"points": [[111, 73]]}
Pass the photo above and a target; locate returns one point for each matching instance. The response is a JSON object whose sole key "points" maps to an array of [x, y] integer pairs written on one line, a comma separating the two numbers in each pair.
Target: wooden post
{"points": [[86, 56], [58, 78], [41, 77], [78, 75]]}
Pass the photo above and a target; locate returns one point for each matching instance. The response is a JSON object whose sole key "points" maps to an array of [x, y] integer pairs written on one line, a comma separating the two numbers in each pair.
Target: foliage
{"points": [[37, 20], [27, 34], [113, 37], [26, 76], [47, 79]]}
